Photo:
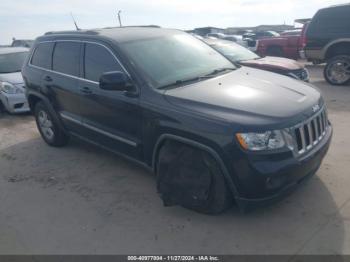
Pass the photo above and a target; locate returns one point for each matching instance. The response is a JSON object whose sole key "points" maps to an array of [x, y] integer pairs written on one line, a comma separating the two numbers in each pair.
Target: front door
{"points": [[110, 118]]}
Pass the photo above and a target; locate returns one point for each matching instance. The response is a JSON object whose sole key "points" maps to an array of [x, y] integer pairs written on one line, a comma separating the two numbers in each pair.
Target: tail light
{"points": [[303, 38]]}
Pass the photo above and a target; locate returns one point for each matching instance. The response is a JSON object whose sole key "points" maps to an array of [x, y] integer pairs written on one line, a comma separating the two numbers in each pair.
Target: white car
{"points": [[12, 95]]}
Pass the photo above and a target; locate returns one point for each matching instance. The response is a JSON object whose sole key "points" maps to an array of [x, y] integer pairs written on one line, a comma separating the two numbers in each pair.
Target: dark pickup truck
{"points": [[211, 131]]}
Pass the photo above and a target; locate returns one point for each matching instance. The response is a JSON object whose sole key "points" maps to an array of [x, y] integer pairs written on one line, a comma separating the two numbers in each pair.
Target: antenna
{"points": [[119, 18], [75, 23]]}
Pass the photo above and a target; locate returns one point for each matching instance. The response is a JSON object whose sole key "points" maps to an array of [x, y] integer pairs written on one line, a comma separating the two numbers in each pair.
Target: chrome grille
{"points": [[310, 132]]}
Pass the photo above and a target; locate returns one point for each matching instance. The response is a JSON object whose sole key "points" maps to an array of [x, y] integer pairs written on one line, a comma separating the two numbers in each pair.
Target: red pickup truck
{"points": [[285, 45]]}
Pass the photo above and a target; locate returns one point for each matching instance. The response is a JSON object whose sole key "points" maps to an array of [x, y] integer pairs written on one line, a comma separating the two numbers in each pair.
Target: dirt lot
{"points": [[83, 200]]}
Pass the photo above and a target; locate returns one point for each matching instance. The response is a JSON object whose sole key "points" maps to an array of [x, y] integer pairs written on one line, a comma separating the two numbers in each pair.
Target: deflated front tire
{"points": [[191, 178]]}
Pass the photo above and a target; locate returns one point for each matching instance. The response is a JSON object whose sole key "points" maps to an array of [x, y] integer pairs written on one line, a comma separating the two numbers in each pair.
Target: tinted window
{"points": [[331, 20], [43, 55], [66, 58], [98, 60]]}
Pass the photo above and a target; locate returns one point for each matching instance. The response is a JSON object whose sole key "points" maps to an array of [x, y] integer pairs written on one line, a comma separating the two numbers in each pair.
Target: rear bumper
{"points": [[290, 173], [14, 103], [314, 54]]}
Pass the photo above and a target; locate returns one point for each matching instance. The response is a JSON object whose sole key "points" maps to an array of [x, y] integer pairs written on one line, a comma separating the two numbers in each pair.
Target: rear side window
{"points": [[98, 60], [66, 58], [331, 20], [42, 56]]}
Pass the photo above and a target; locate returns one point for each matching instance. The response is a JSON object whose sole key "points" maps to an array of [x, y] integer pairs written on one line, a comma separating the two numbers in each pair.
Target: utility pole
{"points": [[120, 21]]}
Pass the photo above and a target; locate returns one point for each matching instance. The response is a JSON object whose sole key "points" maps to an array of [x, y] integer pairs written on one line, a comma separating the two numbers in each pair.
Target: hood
{"points": [[270, 62], [248, 96], [13, 78]]}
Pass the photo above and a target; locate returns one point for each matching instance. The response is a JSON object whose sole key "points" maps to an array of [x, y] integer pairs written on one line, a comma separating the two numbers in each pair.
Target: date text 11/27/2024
{"points": [[173, 258]]}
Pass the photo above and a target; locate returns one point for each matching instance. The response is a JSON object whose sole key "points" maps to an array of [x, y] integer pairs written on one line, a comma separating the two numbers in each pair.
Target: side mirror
{"points": [[116, 80]]}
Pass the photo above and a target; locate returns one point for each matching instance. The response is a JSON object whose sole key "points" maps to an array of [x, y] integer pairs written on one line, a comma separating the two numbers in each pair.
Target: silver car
{"points": [[12, 95]]}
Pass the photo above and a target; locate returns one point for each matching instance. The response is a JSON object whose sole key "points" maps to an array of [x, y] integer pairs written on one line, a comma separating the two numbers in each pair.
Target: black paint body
{"points": [[206, 114]]}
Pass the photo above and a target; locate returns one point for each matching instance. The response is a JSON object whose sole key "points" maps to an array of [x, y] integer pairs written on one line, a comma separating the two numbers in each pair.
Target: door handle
{"points": [[48, 78], [86, 90]]}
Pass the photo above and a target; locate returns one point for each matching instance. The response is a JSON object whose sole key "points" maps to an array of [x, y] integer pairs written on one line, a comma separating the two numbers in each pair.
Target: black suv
{"points": [[328, 40], [212, 132]]}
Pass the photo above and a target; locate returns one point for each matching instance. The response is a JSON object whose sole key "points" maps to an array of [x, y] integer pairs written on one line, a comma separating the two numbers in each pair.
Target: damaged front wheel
{"points": [[192, 178]]}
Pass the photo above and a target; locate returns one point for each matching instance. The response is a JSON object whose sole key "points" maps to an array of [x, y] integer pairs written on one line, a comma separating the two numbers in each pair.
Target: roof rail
{"points": [[94, 31], [90, 32]]}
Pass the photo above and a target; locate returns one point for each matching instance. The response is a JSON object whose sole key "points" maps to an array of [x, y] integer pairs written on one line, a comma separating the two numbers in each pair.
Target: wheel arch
{"points": [[338, 47], [34, 98], [170, 137]]}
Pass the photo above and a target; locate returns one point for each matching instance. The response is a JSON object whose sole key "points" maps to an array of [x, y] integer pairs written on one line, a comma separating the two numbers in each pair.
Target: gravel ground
{"points": [[83, 200]]}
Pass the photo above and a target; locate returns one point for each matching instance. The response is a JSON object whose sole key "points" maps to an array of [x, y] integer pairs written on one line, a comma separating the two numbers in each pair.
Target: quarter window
{"points": [[98, 60], [42, 56], [66, 58]]}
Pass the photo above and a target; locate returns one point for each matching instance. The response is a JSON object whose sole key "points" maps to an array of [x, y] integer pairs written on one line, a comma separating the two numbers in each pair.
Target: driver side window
{"points": [[98, 60]]}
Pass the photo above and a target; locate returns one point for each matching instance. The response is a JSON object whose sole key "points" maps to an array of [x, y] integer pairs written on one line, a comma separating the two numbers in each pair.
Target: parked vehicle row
{"points": [[213, 132], [233, 38]]}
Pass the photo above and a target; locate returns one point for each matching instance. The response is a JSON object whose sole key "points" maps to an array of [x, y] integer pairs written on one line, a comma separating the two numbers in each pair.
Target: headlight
{"points": [[9, 88], [261, 141], [303, 75]]}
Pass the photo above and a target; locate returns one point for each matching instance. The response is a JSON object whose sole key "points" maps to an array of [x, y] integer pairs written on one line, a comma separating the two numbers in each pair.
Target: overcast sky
{"points": [[30, 18]]}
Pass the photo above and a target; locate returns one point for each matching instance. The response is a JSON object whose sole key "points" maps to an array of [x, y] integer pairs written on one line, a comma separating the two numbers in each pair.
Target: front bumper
{"points": [[14, 103], [268, 179]]}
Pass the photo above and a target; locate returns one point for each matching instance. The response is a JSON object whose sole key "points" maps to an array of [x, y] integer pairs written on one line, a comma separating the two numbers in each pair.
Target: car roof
{"points": [[118, 34], [10, 50]]}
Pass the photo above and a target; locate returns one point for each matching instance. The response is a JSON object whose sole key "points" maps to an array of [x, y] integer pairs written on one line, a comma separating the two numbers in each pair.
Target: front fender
{"points": [[193, 143]]}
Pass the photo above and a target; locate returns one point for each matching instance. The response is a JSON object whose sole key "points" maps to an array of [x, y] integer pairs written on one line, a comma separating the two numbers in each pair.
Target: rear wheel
{"points": [[191, 178], [275, 51], [48, 127], [337, 70]]}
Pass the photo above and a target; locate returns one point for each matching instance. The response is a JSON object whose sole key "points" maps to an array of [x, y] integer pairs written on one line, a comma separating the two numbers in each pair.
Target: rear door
{"points": [[111, 118], [64, 82], [39, 65]]}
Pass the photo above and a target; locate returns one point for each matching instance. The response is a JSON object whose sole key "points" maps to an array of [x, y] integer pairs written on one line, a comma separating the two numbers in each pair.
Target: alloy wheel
{"points": [[339, 71], [46, 125]]}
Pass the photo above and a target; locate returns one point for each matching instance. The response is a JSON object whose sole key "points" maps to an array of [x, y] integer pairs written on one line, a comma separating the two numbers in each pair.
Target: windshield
{"points": [[172, 58], [235, 52], [10, 63]]}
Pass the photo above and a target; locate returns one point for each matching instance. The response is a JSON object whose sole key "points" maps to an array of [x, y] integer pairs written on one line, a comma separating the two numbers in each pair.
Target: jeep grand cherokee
{"points": [[212, 132]]}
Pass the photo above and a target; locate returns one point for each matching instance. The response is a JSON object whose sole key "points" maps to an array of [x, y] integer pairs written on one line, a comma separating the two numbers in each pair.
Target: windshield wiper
{"points": [[220, 70], [184, 81], [197, 78]]}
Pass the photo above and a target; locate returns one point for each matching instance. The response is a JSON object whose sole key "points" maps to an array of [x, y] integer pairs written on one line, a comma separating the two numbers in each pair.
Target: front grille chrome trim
{"points": [[315, 128]]}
